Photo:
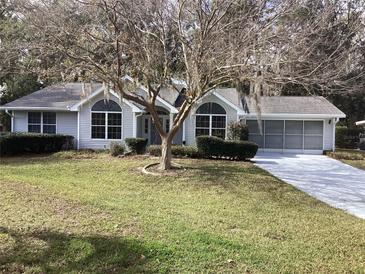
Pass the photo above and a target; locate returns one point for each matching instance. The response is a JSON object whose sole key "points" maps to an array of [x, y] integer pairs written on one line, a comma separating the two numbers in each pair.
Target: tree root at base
{"points": [[147, 172]]}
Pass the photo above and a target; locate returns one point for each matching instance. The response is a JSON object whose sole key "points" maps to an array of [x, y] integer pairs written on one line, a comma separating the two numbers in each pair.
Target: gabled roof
{"points": [[57, 97], [301, 105], [71, 96]]}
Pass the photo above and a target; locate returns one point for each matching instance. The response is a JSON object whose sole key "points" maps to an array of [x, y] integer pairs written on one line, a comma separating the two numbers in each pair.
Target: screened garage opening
{"points": [[286, 134]]}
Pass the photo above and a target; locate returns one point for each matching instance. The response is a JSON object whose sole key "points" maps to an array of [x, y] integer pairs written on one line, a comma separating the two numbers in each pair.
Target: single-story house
{"points": [[96, 118]]}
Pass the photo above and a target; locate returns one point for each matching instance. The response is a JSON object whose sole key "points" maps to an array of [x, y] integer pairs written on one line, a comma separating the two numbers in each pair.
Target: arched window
{"points": [[106, 120], [211, 120]]}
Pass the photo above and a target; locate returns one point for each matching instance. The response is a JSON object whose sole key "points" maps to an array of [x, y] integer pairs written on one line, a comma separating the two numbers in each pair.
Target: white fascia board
{"points": [[97, 92], [295, 116], [127, 102], [35, 108], [167, 104], [162, 101], [88, 98], [360, 123], [220, 97]]}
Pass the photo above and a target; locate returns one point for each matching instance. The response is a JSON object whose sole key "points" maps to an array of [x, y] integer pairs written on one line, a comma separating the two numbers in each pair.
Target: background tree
{"points": [[266, 44], [15, 80]]}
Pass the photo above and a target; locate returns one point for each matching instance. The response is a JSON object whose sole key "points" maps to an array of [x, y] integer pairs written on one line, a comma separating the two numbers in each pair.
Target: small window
{"points": [[34, 122], [202, 125], [49, 122], [106, 120], [210, 108], [219, 126], [114, 126], [106, 105], [98, 125], [210, 120]]}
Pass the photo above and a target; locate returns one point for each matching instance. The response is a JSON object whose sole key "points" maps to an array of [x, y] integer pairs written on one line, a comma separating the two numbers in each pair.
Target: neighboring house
{"points": [[288, 124], [361, 123]]}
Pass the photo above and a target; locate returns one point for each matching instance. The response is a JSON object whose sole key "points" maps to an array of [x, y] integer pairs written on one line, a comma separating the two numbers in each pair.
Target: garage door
{"points": [[287, 134]]}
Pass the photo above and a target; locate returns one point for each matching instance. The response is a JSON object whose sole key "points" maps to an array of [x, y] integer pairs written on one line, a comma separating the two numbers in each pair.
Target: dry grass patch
{"points": [[352, 157], [100, 214]]}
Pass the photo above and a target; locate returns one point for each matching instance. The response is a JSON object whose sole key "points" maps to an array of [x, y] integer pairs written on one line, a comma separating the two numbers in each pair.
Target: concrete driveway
{"points": [[329, 180]]}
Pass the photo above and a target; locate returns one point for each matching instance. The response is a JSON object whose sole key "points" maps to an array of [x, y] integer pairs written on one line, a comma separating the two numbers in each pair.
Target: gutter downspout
{"points": [[12, 120], [78, 129]]}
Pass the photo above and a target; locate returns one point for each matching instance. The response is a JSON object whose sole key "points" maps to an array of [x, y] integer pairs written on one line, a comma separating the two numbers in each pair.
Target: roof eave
{"points": [[36, 108], [297, 115]]}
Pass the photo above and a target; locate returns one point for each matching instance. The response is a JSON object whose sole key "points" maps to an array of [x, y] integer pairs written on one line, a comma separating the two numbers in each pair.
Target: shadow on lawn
{"points": [[52, 252]]}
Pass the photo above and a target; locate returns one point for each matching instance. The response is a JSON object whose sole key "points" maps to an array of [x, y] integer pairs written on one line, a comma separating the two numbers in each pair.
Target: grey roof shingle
{"points": [[60, 96], [293, 105], [64, 96]]}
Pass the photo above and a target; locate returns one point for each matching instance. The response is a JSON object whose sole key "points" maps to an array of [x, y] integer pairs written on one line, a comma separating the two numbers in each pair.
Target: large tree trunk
{"points": [[166, 156]]}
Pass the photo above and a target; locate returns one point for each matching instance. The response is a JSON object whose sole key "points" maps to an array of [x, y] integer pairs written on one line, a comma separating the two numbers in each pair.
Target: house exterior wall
{"points": [[66, 123], [85, 124], [178, 139], [190, 120], [20, 121], [328, 134]]}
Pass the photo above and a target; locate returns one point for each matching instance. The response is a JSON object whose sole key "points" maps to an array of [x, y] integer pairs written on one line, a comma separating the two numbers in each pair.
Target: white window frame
{"points": [[211, 123], [41, 123], [106, 124]]}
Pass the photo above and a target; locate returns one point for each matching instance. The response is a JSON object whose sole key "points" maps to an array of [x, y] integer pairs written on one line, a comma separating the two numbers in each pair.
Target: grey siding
{"points": [[328, 134], [178, 137], [67, 123], [190, 120], [85, 124], [20, 121]]}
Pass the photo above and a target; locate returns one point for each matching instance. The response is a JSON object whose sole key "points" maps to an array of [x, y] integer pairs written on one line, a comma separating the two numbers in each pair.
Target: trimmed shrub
{"points": [[238, 131], [116, 149], [136, 145], [176, 150], [348, 137], [210, 146], [213, 147], [362, 145], [19, 143]]}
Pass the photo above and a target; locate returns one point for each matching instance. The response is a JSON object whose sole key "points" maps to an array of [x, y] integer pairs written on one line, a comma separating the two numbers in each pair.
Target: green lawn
{"points": [[352, 157], [93, 213]]}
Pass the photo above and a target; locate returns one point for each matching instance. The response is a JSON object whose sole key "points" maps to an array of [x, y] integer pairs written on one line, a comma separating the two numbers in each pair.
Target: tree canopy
{"points": [[268, 45]]}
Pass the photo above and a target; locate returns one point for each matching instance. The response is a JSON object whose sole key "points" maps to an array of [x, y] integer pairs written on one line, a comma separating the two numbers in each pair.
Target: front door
{"points": [[155, 138]]}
